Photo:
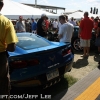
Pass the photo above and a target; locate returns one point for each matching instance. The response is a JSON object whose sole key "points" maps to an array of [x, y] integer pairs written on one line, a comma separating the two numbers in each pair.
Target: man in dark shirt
{"points": [[98, 38], [33, 26], [41, 26]]}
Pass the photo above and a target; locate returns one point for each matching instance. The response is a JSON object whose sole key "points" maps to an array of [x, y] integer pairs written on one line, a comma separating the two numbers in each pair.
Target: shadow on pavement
{"points": [[42, 93], [81, 63], [84, 61], [63, 90]]}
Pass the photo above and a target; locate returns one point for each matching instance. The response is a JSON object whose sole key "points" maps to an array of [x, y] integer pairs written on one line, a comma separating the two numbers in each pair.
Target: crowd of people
{"points": [[44, 25], [64, 29], [62, 26], [30, 24]]}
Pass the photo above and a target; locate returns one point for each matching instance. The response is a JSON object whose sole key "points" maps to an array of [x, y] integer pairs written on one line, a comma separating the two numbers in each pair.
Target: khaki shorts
{"points": [[84, 43]]}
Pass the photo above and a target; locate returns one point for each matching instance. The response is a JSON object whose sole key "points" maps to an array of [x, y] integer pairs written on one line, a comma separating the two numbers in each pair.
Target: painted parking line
{"points": [[92, 92]]}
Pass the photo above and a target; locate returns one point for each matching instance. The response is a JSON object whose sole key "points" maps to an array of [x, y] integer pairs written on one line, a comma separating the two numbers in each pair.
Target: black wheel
{"points": [[76, 44]]}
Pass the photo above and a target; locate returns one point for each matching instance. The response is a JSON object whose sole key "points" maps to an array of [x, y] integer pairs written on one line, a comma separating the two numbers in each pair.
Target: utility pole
{"points": [[35, 3]]}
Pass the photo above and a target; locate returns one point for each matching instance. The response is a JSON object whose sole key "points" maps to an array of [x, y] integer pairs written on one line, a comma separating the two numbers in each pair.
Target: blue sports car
{"points": [[37, 61]]}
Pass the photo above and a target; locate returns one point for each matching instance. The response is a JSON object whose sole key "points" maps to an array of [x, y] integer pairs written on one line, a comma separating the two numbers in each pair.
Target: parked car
{"points": [[76, 41], [37, 61]]}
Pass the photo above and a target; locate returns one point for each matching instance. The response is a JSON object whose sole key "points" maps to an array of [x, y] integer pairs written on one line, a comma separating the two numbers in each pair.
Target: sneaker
{"points": [[84, 56]]}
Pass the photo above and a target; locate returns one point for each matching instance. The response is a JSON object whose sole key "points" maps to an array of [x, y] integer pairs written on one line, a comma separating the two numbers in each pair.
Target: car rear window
{"points": [[30, 41]]}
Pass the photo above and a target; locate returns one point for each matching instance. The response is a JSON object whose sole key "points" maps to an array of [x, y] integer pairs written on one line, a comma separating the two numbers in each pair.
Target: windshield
{"points": [[30, 41]]}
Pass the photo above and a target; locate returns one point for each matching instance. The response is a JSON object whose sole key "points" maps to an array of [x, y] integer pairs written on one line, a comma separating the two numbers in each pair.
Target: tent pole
{"points": [[35, 3]]}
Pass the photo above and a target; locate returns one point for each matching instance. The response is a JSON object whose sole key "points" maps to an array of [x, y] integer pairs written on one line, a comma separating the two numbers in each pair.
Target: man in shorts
{"points": [[85, 33]]}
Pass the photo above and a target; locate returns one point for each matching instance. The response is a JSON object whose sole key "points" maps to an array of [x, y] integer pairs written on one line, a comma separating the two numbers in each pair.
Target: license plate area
{"points": [[52, 74]]}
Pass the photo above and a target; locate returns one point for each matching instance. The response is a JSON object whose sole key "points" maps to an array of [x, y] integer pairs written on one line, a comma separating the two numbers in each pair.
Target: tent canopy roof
{"points": [[79, 15], [14, 9]]}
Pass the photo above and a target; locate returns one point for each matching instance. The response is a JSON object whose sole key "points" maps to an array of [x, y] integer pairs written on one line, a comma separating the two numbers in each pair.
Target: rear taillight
{"points": [[22, 64], [33, 62], [66, 51], [18, 64]]}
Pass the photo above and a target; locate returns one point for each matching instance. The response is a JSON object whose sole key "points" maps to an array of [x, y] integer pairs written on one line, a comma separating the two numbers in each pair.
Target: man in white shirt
{"points": [[72, 21], [66, 30], [55, 25], [20, 25]]}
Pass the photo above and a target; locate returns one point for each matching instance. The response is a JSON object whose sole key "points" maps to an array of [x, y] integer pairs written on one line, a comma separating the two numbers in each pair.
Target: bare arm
{"points": [[11, 47], [60, 33], [11, 37], [60, 36]]}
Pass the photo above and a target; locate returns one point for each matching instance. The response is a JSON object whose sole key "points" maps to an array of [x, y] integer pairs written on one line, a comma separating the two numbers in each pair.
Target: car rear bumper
{"points": [[42, 78]]}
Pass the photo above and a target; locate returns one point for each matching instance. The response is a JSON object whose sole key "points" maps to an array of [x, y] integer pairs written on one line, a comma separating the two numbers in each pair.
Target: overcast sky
{"points": [[70, 5]]}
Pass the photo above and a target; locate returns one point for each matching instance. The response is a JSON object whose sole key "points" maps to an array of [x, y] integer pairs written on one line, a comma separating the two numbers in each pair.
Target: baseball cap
{"points": [[43, 15]]}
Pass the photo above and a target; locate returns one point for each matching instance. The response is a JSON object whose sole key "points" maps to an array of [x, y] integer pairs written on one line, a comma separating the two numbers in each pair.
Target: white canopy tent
{"points": [[93, 15], [14, 9], [76, 15], [79, 15]]}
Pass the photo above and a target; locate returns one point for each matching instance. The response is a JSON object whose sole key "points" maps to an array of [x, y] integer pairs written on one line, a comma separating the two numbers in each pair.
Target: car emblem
{"points": [[52, 58]]}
